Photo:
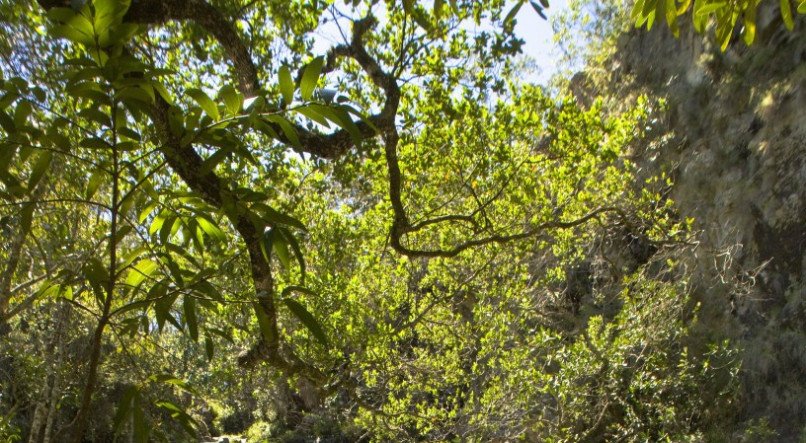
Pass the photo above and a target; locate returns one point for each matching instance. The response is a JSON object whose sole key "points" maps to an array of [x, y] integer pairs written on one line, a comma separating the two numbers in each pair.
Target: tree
{"points": [[197, 136]]}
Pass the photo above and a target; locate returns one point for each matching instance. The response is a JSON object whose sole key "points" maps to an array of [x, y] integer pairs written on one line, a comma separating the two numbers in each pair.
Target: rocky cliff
{"points": [[734, 140]]}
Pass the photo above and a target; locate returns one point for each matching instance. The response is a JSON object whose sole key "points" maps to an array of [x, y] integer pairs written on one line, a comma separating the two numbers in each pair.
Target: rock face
{"points": [[734, 140]]}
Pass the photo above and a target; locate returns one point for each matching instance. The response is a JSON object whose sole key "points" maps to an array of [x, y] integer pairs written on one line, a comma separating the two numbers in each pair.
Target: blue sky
{"points": [[538, 35]]}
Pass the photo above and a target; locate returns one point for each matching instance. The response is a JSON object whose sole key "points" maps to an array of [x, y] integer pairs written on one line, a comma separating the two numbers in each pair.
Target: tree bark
{"points": [[37, 423]]}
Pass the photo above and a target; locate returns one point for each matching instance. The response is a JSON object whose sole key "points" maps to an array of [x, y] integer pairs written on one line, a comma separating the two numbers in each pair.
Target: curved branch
{"points": [[497, 238]]}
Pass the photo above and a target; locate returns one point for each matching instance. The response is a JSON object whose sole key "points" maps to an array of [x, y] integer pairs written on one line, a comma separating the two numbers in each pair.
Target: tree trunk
{"points": [[56, 386], [36, 424], [15, 252]]}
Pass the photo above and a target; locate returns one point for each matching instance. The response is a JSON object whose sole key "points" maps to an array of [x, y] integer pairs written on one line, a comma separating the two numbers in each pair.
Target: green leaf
{"points": [[6, 122], [95, 272], [266, 241], [156, 223], [264, 322], [508, 20], [340, 115], [172, 380], [539, 9], [670, 13], [96, 178], [286, 85], [272, 217], [21, 114], [708, 8], [140, 272], [292, 241], [141, 428], [311, 113], [191, 321], [210, 228], [650, 20], [266, 129], [749, 25], [723, 34], [167, 229], [280, 247], [48, 289], [125, 406], [252, 102], [223, 334], [40, 167], [178, 414], [208, 347], [91, 91], [786, 14], [306, 319], [128, 132], [72, 34], [95, 115], [109, 13], [212, 161], [310, 77], [160, 88], [288, 129], [288, 290], [134, 94], [163, 302], [205, 102], [232, 99], [649, 7], [422, 19], [61, 14], [123, 232], [802, 7], [205, 288], [122, 33]]}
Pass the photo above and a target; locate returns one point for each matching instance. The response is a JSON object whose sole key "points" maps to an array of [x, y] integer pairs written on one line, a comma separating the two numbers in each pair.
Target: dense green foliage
{"points": [[211, 229], [725, 14]]}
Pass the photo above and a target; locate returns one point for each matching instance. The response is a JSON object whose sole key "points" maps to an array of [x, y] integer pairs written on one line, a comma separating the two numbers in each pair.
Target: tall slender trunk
{"points": [[56, 386], [37, 422], [81, 420], [17, 243], [15, 252], [53, 401]]}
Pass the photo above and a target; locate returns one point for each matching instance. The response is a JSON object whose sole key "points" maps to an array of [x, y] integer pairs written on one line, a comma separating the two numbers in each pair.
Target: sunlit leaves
{"points": [[306, 318], [274, 217], [210, 228], [140, 272], [286, 84], [232, 99], [40, 167], [786, 14], [205, 102], [98, 25], [724, 14], [310, 77], [190, 317]]}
